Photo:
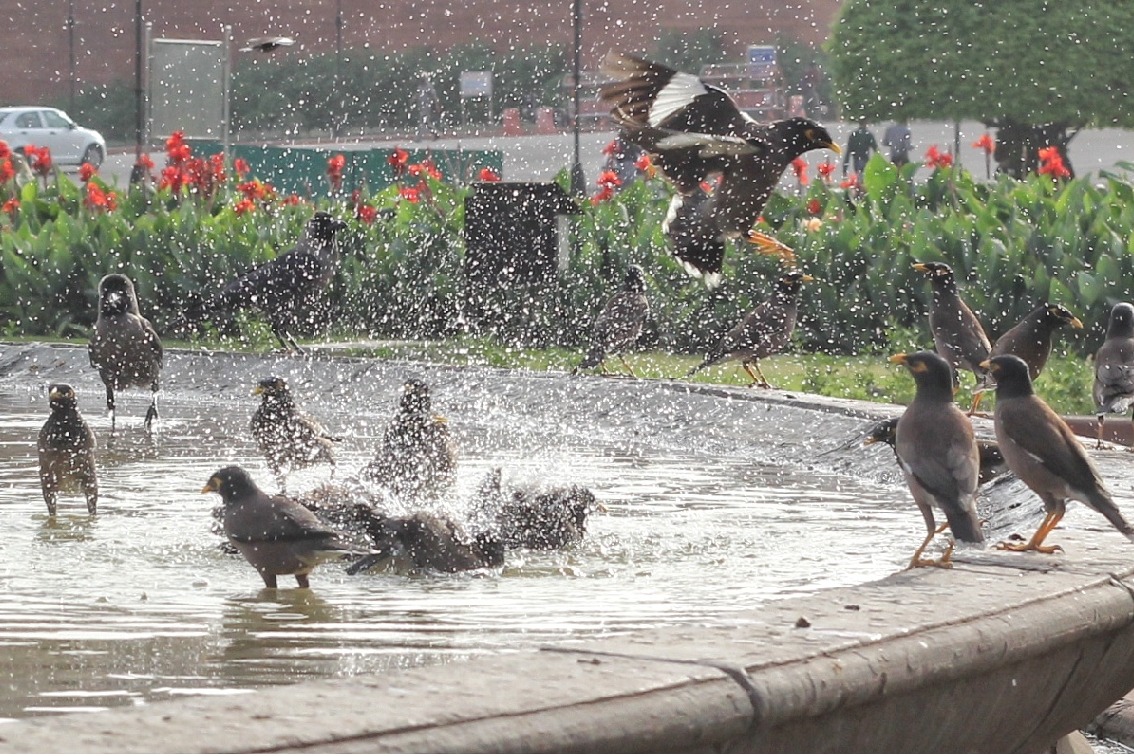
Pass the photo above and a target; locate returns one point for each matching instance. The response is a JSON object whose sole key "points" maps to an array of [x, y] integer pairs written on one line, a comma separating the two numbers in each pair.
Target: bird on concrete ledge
{"points": [[1043, 452], [1114, 366], [124, 348], [66, 450], [938, 455], [695, 132], [282, 288], [957, 334]]}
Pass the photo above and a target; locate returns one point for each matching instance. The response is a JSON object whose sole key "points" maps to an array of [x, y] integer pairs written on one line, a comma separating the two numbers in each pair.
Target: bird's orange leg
{"points": [[626, 365], [1050, 520], [756, 380], [769, 245], [946, 559], [976, 403]]}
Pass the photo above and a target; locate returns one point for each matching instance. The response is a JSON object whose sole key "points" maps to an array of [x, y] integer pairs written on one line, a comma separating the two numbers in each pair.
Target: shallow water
{"points": [[716, 506]]}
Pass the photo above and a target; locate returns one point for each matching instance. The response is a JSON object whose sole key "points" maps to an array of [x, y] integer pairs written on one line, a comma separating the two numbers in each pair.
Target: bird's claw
{"points": [[1005, 546]]}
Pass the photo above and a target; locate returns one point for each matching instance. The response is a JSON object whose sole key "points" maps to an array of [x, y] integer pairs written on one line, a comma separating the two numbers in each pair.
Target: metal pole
{"points": [[226, 109], [578, 181], [71, 56], [139, 89], [336, 112]]}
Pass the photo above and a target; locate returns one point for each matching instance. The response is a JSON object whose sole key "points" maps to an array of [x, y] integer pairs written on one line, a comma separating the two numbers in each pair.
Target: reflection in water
{"points": [[715, 507]]}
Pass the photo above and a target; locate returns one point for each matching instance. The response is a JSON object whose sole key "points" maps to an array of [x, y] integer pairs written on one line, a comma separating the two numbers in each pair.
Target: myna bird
{"points": [[546, 520], [764, 331], [289, 439], [1114, 366], [957, 334], [66, 450], [619, 325], [124, 348], [426, 541], [938, 454], [277, 535], [988, 452], [1043, 452], [284, 288], [694, 132], [418, 458], [1030, 340]]}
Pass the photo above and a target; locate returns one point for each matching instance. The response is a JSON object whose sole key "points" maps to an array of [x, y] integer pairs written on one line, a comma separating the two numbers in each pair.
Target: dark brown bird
{"points": [[957, 334], [1043, 452], [1030, 340], [289, 439], [284, 289], [530, 519], [66, 451], [418, 459], [277, 535], [938, 454], [426, 541], [266, 44], [764, 331], [619, 325], [1114, 366], [991, 460], [124, 348], [695, 132]]}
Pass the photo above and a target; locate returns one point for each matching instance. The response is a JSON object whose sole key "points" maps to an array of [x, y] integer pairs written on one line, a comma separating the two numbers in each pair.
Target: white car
{"points": [[69, 143]]}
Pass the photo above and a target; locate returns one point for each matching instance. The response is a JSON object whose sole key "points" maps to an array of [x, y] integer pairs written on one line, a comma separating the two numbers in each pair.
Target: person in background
{"points": [[897, 138], [860, 146]]}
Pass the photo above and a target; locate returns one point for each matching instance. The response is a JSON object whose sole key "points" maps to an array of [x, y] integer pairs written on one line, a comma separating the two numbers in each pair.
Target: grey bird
{"points": [[66, 451], [1114, 366], [938, 454], [619, 325], [532, 519], [288, 438], [124, 348], [957, 334], [284, 289], [417, 460], [276, 534], [1030, 340], [764, 331], [991, 460], [695, 132], [1042, 451], [426, 541]]}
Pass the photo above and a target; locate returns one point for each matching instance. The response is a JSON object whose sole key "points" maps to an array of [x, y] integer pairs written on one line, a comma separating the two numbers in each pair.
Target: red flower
{"points": [[145, 161], [86, 171], [850, 182], [244, 206], [1051, 163], [605, 193], [985, 143], [176, 150], [425, 168], [39, 158], [256, 190], [608, 180], [7, 170], [826, 169], [646, 165], [290, 200], [96, 197], [398, 161], [366, 213], [172, 178], [799, 165], [611, 148], [5, 150], [814, 206], [241, 167], [335, 165], [935, 159], [11, 206], [410, 193], [489, 175]]}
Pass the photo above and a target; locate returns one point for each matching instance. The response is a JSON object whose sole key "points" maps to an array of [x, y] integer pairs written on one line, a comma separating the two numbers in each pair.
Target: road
{"points": [[540, 157]]}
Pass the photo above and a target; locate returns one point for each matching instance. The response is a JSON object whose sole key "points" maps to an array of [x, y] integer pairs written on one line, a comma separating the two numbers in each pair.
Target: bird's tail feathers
{"points": [[1104, 505], [964, 524], [770, 245]]}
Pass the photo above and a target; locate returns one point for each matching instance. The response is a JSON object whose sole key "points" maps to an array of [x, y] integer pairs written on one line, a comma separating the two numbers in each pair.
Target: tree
{"points": [[1037, 70]]}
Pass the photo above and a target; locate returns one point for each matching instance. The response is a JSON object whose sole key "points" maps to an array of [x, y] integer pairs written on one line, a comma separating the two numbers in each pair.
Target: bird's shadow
{"points": [[67, 528]]}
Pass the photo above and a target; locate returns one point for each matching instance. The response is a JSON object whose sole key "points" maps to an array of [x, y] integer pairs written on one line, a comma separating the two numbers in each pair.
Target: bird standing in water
{"points": [[289, 439], [66, 450], [124, 348]]}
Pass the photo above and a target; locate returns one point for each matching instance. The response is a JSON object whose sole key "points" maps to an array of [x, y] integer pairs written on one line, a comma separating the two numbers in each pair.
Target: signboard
{"points": [[187, 80], [476, 84], [761, 61]]}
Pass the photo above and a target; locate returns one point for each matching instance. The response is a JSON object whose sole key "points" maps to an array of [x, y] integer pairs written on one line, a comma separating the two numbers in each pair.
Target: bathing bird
{"points": [[276, 534], [619, 325], [938, 455], [1030, 340], [1042, 451], [527, 518], [66, 450], [988, 452], [695, 133], [288, 438], [764, 331], [417, 460], [284, 289], [957, 334], [426, 541], [1114, 366], [124, 348]]}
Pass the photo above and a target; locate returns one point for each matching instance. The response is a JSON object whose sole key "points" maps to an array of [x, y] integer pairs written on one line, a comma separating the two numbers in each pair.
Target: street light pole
{"points": [[336, 113], [578, 181], [139, 89], [71, 57]]}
